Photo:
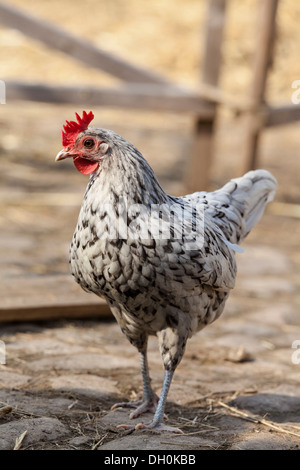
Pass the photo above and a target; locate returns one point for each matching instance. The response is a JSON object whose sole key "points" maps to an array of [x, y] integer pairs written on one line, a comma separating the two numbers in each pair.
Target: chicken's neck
{"points": [[127, 175]]}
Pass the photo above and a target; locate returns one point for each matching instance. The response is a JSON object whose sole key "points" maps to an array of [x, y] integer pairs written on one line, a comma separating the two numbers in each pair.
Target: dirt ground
{"points": [[238, 384]]}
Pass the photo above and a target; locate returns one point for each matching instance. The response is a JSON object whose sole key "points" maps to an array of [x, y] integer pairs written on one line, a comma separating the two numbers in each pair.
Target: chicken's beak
{"points": [[62, 155]]}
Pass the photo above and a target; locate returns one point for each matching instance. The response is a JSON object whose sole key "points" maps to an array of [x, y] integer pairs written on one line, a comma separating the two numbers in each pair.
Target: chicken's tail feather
{"points": [[242, 202], [262, 195]]}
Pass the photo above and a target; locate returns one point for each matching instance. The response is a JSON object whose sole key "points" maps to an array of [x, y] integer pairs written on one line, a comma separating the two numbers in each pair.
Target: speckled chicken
{"points": [[164, 264]]}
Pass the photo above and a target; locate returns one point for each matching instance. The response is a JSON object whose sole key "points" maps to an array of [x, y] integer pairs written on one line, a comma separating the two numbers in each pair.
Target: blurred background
{"points": [[40, 199]]}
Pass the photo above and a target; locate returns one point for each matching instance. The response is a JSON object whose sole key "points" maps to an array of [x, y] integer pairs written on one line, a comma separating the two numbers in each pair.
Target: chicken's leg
{"points": [[149, 400], [172, 345], [157, 422]]}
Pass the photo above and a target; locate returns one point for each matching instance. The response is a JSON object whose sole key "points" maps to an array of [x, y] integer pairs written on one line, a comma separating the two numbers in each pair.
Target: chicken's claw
{"points": [[158, 427], [154, 427], [140, 406]]}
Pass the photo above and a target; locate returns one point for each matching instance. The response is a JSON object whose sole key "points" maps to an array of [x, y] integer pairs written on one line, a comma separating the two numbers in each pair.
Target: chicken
{"points": [[164, 264]]}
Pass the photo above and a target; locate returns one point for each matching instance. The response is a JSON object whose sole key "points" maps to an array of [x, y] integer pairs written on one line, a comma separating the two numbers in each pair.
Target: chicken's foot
{"points": [[150, 399]]}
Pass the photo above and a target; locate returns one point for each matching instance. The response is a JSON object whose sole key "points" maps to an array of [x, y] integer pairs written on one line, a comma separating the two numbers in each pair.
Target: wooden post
{"points": [[262, 62], [197, 177]]}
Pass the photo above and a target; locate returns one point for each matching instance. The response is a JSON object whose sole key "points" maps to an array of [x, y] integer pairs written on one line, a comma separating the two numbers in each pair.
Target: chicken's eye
{"points": [[89, 143]]}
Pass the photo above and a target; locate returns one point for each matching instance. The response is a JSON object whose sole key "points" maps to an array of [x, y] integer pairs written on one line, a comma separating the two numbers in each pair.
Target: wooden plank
{"points": [[262, 60], [197, 177], [264, 48], [57, 38], [47, 297], [280, 115], [213, 40], [137, 96], [198, 168], [215, 95], [54, 312]]}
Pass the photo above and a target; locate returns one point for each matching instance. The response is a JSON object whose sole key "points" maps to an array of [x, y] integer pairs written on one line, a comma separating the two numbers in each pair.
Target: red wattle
{"points": [[85, 166]]}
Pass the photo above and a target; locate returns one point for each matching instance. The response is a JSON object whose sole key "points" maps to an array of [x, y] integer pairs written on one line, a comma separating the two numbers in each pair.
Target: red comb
{"points": [[72, 128]]}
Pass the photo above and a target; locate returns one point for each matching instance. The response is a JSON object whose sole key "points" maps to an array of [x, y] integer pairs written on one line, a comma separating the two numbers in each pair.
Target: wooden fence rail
{"points": [[136, 96], [57, 38]]}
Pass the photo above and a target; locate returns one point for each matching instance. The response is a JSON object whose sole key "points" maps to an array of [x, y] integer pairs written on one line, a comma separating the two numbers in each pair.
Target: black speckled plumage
{"points": [[155, 285]]}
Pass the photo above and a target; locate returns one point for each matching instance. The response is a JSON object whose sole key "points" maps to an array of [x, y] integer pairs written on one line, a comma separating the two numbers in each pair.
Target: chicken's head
{"points": [[85, 146]]}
